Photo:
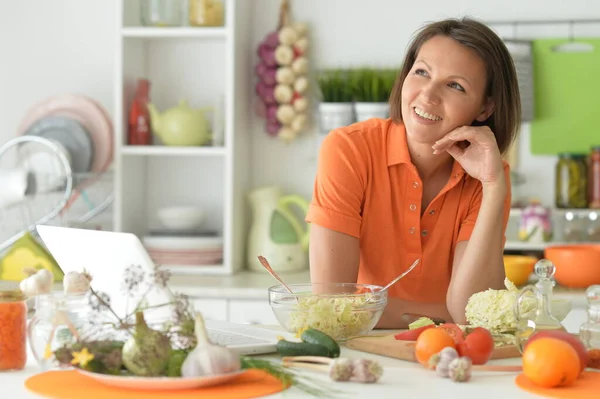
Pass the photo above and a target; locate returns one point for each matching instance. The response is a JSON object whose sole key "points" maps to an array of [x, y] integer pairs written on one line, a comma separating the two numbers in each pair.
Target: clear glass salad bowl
{"points": [[341, 310]]}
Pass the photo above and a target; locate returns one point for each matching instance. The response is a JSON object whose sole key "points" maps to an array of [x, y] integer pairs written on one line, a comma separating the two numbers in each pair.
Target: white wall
{"points": [[48, 47]]}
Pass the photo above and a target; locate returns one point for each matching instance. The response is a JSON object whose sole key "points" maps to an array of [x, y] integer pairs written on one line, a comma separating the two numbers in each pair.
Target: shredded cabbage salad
{"points": [[338, 317]]}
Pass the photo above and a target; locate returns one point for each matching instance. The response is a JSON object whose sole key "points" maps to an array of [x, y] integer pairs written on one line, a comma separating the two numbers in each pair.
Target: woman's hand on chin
{"points": [[475, 148]]}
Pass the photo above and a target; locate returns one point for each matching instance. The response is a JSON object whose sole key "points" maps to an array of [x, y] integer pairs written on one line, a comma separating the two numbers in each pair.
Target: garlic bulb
{"points": [[285, 114], [287, 134], [284, 55], [206, 358], [37, 284], [76, 283], [300, 104], [300, 28], [459, 369], [301, 84], [283, 94], [301, 45], [298, 123], [288, 35], [366, 370], [285, 76], [300, 66], [446, 356]]}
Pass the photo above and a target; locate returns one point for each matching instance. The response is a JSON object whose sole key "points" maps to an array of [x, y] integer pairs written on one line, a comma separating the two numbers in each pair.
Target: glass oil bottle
{"points": [[540, 317]]}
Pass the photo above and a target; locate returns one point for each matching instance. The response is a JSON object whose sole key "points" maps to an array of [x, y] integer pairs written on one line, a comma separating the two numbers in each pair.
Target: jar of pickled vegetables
{"points": [[13, 330], [571, 181], [594, 181], [206, 13]]}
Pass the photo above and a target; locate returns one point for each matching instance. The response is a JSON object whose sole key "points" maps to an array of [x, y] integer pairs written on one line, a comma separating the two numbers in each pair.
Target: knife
{"points": [[412, 317]]}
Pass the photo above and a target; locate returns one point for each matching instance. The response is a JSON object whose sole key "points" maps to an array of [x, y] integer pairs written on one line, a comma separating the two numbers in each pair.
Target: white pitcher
{"points": [[276, 233]]}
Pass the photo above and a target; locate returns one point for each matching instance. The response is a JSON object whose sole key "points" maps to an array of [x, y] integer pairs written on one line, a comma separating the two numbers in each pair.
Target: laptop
{"points": [[106, 254]]}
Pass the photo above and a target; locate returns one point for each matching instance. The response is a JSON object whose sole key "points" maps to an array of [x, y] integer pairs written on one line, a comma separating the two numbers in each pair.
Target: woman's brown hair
{"points": [[502, 84]]}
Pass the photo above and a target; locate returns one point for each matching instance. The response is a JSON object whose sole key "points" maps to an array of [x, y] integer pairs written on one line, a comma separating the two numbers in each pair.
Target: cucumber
{"points": [[312, 336], [287, 348]]}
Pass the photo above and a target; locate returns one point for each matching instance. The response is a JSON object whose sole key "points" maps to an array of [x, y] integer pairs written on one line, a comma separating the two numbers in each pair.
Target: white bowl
{"points": [[181, 217]]}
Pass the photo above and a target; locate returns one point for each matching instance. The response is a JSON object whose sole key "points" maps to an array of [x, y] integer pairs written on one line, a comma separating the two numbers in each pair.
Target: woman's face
{"points": [[445, 89]]}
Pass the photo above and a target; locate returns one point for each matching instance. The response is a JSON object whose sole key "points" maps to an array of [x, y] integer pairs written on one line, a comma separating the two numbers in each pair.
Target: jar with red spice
{"points": [[589, 332], [594, 179], [13, 330]]}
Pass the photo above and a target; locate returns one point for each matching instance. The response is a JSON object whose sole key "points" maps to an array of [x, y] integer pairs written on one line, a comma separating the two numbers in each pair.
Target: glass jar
{"points": [[571, 181], [206, 13], [574, 229], [13, 336], [589, 332], [58, 320], [160, 12], [593, 228], [594, 179]]}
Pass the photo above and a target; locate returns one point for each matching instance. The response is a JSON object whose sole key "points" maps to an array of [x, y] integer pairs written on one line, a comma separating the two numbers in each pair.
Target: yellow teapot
{"points": [[181, 125]]}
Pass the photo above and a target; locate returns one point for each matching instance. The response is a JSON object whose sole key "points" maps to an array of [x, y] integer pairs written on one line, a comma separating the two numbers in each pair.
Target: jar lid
{"points": [[12, 296]]}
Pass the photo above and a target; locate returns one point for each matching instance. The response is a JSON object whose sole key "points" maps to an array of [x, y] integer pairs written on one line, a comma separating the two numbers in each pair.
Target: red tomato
{"points": [[412, 335], [454, 331], [477, 345]]}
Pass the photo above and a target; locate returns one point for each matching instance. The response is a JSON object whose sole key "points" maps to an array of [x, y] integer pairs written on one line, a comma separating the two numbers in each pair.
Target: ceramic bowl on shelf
{"points": [[181, 217], [577, 265], [341, 310]]}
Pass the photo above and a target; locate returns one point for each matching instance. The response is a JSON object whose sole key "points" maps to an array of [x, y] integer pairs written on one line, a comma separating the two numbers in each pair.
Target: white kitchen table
{"points": [[401, 379]]}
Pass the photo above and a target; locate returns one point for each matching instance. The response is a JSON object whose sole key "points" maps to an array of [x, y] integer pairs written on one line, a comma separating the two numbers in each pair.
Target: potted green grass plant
{"points": [[335, 108], [371, 88]]}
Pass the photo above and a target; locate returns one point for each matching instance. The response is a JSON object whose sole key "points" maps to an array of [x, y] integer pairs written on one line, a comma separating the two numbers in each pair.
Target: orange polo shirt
{"points": [[367, 187]]}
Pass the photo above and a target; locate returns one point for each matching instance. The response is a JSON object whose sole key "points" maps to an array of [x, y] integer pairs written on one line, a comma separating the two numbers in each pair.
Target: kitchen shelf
{"points": [[209, 68], [527, 246], [178, 32], [192, 270], [157, 150], [519, 211]]}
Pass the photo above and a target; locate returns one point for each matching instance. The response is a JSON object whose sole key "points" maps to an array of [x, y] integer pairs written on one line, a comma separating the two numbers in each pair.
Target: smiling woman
{"points": [[427, 183]]}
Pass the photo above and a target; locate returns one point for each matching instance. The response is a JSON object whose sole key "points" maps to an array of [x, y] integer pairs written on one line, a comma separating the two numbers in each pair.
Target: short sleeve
{"points": [[466, 227], [340, 182]]}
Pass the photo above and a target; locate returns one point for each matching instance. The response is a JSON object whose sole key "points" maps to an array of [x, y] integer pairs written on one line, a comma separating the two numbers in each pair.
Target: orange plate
{"points": [[586, 387], [73, 385]]}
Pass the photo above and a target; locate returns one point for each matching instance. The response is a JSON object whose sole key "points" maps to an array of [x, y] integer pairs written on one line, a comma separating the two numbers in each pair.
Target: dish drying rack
{"points": [[54, 195]]}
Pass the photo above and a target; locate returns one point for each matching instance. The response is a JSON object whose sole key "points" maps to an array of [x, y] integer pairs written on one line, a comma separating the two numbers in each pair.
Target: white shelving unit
{"points": [[206, 67]]}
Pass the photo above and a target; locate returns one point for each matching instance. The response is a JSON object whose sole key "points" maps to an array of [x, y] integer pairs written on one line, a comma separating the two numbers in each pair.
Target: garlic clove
{"points": [[287, 134], [283, 94], [301, 84], [285, 114], [300, 104], [287, 35], [298, 123], [284, 55], [285, 76], [76, 283], [301, 45], [300, 66], [300, 28]]}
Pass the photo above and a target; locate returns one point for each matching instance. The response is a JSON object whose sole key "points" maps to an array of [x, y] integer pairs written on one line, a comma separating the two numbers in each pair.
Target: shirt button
{"points": [[416, 184], [412, 230], [432, 212], [412, 207], [424, 233]]}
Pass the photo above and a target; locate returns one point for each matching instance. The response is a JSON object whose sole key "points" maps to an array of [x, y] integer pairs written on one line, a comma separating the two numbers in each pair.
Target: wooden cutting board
{"points": [[405, 350]]}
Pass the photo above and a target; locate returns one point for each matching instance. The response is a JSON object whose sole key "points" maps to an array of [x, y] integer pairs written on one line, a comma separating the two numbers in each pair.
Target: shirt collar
{"points": [[397, 149]]}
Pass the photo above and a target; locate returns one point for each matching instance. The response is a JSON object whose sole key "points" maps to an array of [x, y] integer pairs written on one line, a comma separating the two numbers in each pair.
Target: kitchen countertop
{"points": [[400, 379], [254, 285]]}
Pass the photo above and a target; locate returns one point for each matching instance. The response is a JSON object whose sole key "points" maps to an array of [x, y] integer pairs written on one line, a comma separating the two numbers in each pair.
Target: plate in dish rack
{"points": [[161, 383]]}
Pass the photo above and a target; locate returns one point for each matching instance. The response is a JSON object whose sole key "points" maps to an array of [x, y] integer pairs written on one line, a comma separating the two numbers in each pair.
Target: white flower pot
{"points": [[334, 115], [366, 111]]}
